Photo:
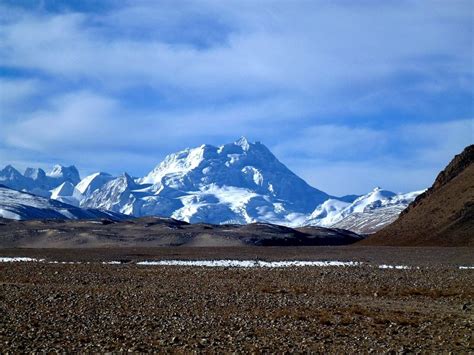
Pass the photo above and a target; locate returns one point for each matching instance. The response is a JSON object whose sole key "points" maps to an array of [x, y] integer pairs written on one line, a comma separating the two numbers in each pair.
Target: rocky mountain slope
{"points": [[23, 206], [239, 182], [443, 215]]}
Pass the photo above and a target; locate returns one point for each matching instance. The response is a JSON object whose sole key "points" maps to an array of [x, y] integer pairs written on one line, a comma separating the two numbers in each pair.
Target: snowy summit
{"points": [[238, 182]]}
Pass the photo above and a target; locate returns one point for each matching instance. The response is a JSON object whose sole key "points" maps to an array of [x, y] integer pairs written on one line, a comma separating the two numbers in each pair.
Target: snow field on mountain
{"points": [[239, 182]]}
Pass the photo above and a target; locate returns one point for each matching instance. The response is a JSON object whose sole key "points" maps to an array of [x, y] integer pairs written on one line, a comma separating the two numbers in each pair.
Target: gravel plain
{"points": [[127, 307]]}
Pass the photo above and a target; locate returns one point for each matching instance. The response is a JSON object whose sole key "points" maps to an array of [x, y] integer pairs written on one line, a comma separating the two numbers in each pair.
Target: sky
{"points": [[348, 94]]}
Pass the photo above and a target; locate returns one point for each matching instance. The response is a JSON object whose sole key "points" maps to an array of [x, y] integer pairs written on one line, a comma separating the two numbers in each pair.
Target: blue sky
{"points": [[348, 94]]}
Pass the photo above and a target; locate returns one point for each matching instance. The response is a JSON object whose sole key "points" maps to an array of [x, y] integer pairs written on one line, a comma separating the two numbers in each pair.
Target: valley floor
{"points": [[104, 307]]}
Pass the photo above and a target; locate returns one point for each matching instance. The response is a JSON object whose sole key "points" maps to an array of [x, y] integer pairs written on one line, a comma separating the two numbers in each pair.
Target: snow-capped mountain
{"points": [[21, 205], [64, 173], [67, 193], [118, 194], [242, 165], [366, 214], [239, 182], [93, 182], [12, 178], [36, 181]]}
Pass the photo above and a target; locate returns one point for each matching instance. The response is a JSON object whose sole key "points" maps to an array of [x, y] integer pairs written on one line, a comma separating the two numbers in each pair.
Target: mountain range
{"points": [[22, 205], [236, 183]]}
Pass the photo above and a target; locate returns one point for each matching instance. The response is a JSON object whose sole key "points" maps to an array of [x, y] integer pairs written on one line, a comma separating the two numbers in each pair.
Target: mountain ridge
{"points": [[20, 205], [239, 182]]}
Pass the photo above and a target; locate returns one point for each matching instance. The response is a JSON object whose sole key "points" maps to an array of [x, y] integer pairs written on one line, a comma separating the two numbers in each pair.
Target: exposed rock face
{"points": [[443, 215]]}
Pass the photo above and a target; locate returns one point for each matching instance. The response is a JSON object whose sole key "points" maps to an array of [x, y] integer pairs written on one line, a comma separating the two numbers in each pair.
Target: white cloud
{"points": [[88, 121], [14, 94], [70, 120], [15, 91], [313, 48], [300, 76]]}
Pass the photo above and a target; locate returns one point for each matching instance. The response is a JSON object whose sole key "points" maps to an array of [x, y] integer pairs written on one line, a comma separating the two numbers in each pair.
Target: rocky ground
{"points": [[97, 307]]}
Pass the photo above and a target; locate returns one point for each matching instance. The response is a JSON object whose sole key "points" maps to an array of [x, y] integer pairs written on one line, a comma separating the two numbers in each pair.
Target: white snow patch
{"points": [[396, 267], [9, 214], [17, 259], [247, 263], [466, 267]]}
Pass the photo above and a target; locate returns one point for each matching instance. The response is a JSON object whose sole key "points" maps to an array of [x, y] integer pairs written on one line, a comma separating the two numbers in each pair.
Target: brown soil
{"points": [[94, 307], [442, 216]]}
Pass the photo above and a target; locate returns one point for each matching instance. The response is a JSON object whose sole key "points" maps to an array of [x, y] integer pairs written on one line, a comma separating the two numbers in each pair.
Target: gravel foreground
{"points": [[97, 307]]}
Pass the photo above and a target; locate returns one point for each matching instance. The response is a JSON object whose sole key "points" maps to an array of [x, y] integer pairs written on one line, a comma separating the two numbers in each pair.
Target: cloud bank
{"points": [[378, 91]]}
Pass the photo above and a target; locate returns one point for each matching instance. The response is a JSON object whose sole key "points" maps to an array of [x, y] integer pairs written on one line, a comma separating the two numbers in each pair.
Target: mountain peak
{"points": [[9, 168], [127, 180], [11, 172], [245, 180], [66, 173], [13, 179], [377, 193], [243, 142], [34, 173], [92, 182], [60, 169]]}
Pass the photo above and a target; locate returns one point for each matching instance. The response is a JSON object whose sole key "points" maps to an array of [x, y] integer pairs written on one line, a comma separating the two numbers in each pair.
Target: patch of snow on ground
{"points": [[230, 263], [9, 215], [17, 259], [397, 267], [246, 263]]}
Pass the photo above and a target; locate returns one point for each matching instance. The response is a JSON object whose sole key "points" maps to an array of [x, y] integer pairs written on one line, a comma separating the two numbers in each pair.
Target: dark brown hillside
{"points": [[443, 215]]}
